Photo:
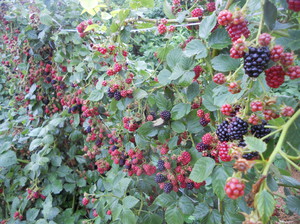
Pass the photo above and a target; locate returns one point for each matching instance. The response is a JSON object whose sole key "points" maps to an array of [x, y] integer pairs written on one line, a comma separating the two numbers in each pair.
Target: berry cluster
{"points": [[219, 78], [82, 26], [256, 61], [233, 130], [234, 188], [204, 117], [294, 5], [198, 70]]}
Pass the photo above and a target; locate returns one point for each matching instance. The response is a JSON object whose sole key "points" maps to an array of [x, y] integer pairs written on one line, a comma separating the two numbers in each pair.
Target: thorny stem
{"points": [[280, 142]]}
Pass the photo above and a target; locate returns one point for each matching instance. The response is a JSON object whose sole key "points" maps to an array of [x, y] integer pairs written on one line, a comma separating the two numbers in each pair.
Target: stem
{"points": [[23, 161], [280, 142], [141, 206], [284, 155], [261, 23], [228, 4], [272, 133], [248, 98]]}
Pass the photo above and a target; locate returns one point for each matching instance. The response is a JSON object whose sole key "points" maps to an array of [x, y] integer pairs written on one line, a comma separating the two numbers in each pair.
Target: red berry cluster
{"points": [[102, 166], [82, 26], [34, 194], [219, 78], [234, 188], [17, 215], [236, 25], [238, 49], [294, 5], [211, 6], [197, 12], [223, 150], [198, 70], [130, 124]]}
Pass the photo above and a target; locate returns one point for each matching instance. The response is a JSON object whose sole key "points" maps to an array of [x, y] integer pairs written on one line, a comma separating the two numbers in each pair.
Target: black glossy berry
{"points": [[117, 95], [256, 61], [165, 115], [121, 162], [168, 188], [46, 101], [89, 129], [237, 128], [222, 131], [250, 155], [259, 131], [161, 165], [159, 178], [202, 147], [153, 115], [110, 94], [203, 121], [190, 186]]}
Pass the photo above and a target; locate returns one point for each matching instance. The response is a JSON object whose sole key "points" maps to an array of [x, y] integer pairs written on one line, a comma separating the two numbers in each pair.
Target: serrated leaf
{"points": [[35, 143], [290, 182], [164, 200], [265, 205], [88, 4], [195, 47], [201, 210], [255, 144], [173, 56], [202, 169], [129, 201], [270, 14], [152, 219], [174, 216], [177, 72], [95, 95], [8, 158], [163, 77], [213, 217], [193, 91], [139, 94], [206, 26], [293, 204], [180, 110], [219, 39], [56, 121], [186, 205], [224, 63], [167, 8], [128, 216], [31, 214], [219, 179], [178, 126]]}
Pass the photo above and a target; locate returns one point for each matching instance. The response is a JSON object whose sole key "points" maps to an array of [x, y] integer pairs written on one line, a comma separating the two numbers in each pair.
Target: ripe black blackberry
{"points": [[203, 121], [222, 131], [190, 186], [202, 147], [153, 115], [251, 155], [242, 144], [117, 95], [237, 128], [260, 131], [256, 61], [165, 115], [161, 165], [110, 94], [159, 178], [168, 188]]}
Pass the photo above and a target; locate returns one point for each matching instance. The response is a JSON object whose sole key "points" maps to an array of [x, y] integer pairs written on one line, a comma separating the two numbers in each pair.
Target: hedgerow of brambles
{"points": [[108, 116]]}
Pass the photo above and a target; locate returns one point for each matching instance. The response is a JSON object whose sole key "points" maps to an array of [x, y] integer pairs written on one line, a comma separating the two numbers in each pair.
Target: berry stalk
{"points": [[280, 141]]}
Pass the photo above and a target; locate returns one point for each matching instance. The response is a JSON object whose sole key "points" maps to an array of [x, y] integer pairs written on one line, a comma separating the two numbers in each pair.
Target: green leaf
{"points": [[46, 19], [265, 205], [214, 217], [130, 201], [224, 63], [255, 144], [35, 143], [206, 26], [219, 178], [135, 4], [139, 94], [208, 100], [186, 205], [147, 130], [128, 217], [193, 125], [290, 182], [173, 56], [270, 14], [55, 122], [173, 215], [164, 200], [152, 219], [180, 110], [202, 169], [31, 214], [95, 95], [88, 4], [201, 210], [293, 204], [162, 103], [178, 126], [219, 39], [163, 77], [167, 8], [177, 72], [195, 47], [193, 91], [8, 158]]}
